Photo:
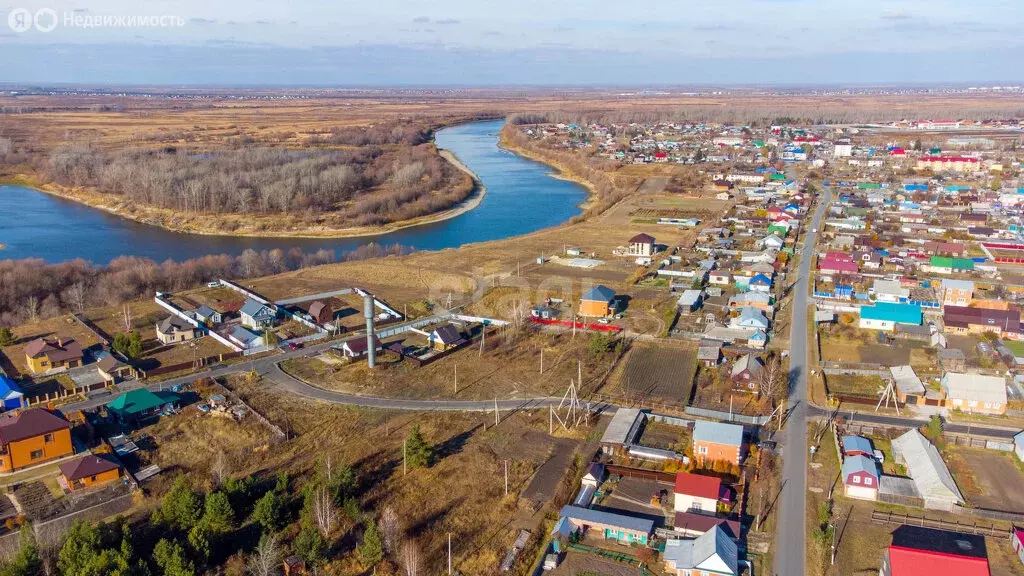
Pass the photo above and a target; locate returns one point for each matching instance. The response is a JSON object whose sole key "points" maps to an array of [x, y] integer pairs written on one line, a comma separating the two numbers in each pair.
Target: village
{"points": [[652, 355]]}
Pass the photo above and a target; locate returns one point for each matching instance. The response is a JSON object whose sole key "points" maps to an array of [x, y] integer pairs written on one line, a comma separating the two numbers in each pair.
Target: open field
{"points": [[506, 369], [990, 479], [655, 373]]}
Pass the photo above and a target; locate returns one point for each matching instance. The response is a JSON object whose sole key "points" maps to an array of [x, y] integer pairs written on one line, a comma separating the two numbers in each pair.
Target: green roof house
{"points": [[139, 404], [948, 265], [777, 176]]}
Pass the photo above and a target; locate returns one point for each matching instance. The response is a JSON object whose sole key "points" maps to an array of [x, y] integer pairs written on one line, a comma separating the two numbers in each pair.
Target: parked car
{"points": [[294, 345], [214, 284], [204, 408], [769, 445]]}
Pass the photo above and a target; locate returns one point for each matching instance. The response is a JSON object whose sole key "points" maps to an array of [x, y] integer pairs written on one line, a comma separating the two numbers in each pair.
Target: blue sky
{"points": [[522, 42]]}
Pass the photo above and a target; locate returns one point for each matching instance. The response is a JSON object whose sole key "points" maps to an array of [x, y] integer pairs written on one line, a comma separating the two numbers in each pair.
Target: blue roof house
{"points": [[886, 315], [609, 525], [10, 394]]}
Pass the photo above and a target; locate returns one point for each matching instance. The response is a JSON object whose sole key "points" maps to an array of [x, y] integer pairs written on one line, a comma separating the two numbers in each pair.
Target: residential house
{"points": [[1018, 445], [357, 347], [718, 441], [10, 394], [598, 302], [1017, 541], [972, 320], [641, 245], [860, 477], [771, 241], [321, 312], [760, 283], [889, 291], [943, 248], [697, 493], [720, 277], [208, 315], [975, 393], [857, 446], [112, 369], [607, 525], [89, 471], [446, 337], [750, 318], [257, 315], [868, 260], [838, 263], [246, 338], [956, 292], [174, 329], [713, 553], [932, 480], [709, 352], [746, 372], [32, 436], [909, 388], [690, 300], [136, 405], [918, 551], [43, 355], [760, 300], [950, 265], [886, 315]]}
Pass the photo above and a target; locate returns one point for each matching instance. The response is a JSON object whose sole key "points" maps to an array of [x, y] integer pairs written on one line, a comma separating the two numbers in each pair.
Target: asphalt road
{"points": [[791, 533]]}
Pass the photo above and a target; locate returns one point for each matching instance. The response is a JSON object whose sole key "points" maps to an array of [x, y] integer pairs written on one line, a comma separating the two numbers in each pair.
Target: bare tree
{"points": [[220, 469], [75, 296], [324, 513], [771, 383], [32, 309], [126, 317], [391, 529], [265, 558], [412, 558]]}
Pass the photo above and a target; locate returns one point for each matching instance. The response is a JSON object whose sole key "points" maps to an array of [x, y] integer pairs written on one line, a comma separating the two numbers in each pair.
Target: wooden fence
{"points": [[939, 524], [630, 472], [200, 362]]}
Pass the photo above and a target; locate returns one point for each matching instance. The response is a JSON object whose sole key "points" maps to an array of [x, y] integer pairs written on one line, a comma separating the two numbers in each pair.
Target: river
{"points": [[521, 197]]}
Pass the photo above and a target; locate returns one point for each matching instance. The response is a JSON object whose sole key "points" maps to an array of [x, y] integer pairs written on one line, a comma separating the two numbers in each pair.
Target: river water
{"points": [[521, 197]]}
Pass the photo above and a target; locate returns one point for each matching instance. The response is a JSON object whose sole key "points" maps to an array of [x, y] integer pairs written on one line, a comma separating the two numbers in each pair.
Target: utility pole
{"points": [[483, 338], [405, 469], [506, 477], [495, 410], [541, 359], [456, 379], [449, 553], [551, 420]]}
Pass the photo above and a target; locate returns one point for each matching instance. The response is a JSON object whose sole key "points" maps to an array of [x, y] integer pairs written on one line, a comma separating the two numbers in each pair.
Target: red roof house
{"points": [[917, 551]]}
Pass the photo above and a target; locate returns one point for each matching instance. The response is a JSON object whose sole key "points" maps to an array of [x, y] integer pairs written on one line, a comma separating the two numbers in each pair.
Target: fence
{"points": [[727, 416], [205, 361], [670, 420], [939, 524], [581, 325], [630, 472], [278, 433], [986, 513], [61, 394]]}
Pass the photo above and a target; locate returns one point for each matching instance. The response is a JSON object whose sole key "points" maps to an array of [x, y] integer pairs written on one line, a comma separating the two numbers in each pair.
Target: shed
{"points": [[860, 477], [622, 431], [140, 403], [10, 394], [925, 466], [907, 382]]}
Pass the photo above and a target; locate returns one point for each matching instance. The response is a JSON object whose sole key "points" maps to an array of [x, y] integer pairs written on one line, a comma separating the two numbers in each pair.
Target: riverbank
{"points": [[560, 171]]}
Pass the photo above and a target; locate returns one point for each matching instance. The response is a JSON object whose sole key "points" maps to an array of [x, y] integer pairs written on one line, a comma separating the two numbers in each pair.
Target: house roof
{"points": [[599, 293], [967, 386], [853, 444], [140, 400], [718, 433], [29, 424], [747, 362], [590, 516], [173, 323], [917, 551], [925, 467], [892, 312], [695, 522], [244, 335], [859, 463], [964, 316], [205, 311], [316, 308], [252, 308], [950, 284], [8, 388], [448, 334], [711, 552], [642, 239], [906, 380], [56, 350], [86, 466], [622, 426], [358, 344], [698, 485]]}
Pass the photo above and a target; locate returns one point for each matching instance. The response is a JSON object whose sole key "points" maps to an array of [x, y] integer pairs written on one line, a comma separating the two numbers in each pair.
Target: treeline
{"points": [[369, 185], [32, 290], [377, 135], [791, 110]]}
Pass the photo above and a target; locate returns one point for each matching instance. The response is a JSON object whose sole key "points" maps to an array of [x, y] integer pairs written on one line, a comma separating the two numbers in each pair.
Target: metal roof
{"points": [[620, 429], [718, 433], [859, 463], [925, 467], [906, 379], [712, 551], [966, 386], [599, 293], [589, 516]]}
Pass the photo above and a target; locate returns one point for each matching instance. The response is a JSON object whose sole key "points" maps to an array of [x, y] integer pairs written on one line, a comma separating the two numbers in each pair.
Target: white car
{"points": [[814, 230], [214, 284]]}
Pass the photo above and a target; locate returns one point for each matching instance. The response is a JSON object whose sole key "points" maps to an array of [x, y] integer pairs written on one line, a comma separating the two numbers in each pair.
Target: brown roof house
{"points": [[174, 329], [641, 245], [44, 355], [33, 436], [321, 312], [88, 471]]}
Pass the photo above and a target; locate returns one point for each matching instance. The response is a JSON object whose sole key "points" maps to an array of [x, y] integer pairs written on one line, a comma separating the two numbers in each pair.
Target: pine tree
{"points": [[371, 549], [6, 336], [418, 452]]}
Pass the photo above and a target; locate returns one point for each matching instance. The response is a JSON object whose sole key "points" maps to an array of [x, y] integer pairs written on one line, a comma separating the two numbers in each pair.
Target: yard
{"points": [[666, 436], [52, 328], [506, 369], [655, 372], [850, 344], [861, 542], [988, 478]]}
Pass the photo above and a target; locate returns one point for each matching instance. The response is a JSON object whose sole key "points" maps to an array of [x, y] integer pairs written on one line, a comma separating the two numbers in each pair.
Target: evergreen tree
{"points": [[170, 557], [27, 561], [418, 452], [6, 336], [218, 515], [134, 345], [269, 512], [371, 549], [310, 544], [182, 508]]}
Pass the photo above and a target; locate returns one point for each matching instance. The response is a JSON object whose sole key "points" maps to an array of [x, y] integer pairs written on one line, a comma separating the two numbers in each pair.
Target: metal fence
{"points": [[728, 416]]}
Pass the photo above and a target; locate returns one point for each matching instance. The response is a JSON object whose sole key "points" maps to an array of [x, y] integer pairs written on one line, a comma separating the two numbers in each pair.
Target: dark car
{"points": [[768, 445], [294, 345]]}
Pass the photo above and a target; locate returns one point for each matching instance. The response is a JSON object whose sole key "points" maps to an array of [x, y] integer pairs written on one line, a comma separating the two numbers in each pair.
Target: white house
{"points": [[975, 392], [257, 315]]}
